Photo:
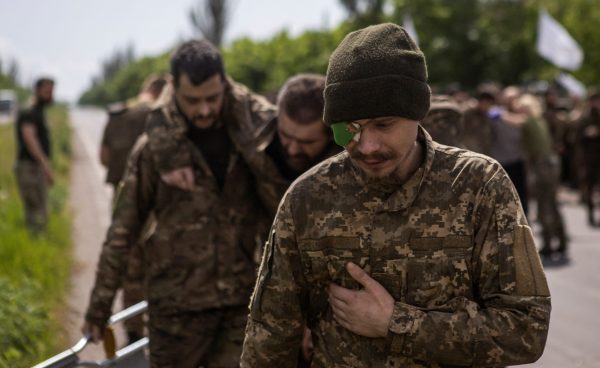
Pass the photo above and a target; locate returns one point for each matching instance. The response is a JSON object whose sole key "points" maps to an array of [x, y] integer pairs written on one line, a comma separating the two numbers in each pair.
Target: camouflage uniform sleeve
{"points": [[276, 322], [132, 207], [166, 142], [507, 322]]}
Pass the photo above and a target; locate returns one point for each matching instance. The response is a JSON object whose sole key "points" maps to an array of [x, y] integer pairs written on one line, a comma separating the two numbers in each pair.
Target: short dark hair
{"points": [[485, 96], [301, 98], [199, 60], [41, 81]]}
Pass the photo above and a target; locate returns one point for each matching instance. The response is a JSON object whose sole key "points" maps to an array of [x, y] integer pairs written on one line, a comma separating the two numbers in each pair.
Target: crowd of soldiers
{"points": [[364, 220], [543, 140], [202, 169], [385, 233]]}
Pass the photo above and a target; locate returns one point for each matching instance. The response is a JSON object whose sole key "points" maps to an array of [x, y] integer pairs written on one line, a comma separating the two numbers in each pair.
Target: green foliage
{"points": [[471, 41], [34, 270], [465, 41], [264, 65], [126, 83], [6, 82]]}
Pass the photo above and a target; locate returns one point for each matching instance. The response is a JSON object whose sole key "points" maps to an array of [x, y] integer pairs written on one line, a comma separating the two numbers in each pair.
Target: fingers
{"points": [[188, 178], [92, 331], [339, 293], [181, 178], [362, 277]]}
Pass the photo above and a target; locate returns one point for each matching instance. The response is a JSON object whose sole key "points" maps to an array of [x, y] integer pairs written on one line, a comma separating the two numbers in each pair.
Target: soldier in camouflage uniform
{"points": [[588, 143], [33, 168], [198, 260], [399, 252], [124, 126], [277, 153], [545, 166]]}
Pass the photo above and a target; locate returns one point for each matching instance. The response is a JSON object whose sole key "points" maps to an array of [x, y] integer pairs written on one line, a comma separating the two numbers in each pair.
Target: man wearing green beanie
{"points": [[400, 251]]}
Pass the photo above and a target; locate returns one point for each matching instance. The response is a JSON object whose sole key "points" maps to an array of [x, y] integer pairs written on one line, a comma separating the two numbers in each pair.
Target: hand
{"points": [[307, 345], [366, 312], [180, 178], [48, 173], [95, 332]]}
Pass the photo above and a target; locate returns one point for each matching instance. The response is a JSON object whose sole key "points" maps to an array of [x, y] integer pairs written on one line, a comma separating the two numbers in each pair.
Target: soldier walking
{"points": [[199, 267], [400, 251]]}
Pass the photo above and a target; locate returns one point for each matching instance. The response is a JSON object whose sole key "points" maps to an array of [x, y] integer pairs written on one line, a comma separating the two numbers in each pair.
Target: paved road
{"points": [[574, 340], [90, 204]]}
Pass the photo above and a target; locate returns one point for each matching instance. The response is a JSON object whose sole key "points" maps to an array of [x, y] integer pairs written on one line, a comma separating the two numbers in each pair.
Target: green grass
{"points": [[34, 270]]}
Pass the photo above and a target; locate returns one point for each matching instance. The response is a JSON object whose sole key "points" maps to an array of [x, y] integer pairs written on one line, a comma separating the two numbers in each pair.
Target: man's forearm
{"points": [[510, 330]]}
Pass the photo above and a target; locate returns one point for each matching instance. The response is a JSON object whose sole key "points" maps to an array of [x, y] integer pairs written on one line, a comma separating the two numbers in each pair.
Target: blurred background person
{"points": [[33, 168], [477, 133], [125, 124], [545, 167], [588, 144], [507, 147]]}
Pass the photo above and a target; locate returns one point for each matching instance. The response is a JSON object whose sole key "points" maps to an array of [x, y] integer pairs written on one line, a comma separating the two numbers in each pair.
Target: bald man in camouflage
{"points": [[399, 252]]}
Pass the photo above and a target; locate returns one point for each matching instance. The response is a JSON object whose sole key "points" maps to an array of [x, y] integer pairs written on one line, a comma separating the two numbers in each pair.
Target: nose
{"points": [[368, 142], [293, 148], [204, 109]]}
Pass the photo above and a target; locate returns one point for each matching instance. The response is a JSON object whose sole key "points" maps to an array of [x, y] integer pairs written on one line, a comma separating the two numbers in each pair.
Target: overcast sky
{"points": [[68, 39]]}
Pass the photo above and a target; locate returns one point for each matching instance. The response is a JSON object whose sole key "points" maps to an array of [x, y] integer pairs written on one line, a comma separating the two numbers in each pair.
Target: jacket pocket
{"points": [[324, 260], [438, 270]]}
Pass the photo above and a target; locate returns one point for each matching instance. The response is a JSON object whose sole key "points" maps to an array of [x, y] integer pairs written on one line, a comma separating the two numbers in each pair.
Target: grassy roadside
{"points": [[34, 271]]}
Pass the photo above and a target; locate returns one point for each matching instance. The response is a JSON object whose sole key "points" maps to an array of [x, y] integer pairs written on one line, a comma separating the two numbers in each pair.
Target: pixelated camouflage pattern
{"points": [[443, 121], [451, 245], [200, 255]]}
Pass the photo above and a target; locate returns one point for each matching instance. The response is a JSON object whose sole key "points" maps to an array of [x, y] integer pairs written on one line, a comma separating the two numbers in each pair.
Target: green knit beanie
{"points": [[376, 71]]}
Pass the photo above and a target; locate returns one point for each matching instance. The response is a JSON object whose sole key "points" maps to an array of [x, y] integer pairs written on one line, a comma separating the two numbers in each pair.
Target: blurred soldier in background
{"points": [[545, 166], [507, 145], [443, 121], [33, 167], [588, 144], [125, 125], [477, 130]]}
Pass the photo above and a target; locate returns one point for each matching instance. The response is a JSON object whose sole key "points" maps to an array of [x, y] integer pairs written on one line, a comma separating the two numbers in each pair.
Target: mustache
{"points": [[379, 156], [205, 117]]}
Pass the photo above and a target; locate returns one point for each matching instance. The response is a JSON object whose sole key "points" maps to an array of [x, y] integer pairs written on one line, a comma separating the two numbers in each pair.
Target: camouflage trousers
{"points": [[590, 178], [547, 176], [210, 339], [133, 290], [33, 189]]}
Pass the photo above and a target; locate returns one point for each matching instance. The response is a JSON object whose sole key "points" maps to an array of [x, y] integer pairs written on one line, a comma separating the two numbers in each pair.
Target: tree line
{"points": [[466, 42]]}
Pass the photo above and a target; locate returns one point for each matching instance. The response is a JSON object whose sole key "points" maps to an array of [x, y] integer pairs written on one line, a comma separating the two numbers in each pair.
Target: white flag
{"points": [[556, 45], [572, 85], [409, 26]]}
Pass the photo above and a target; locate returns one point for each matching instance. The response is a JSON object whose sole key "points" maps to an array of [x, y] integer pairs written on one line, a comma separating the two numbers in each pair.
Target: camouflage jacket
{"points": [[451, 245], [255, 125], [200, 255]]}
